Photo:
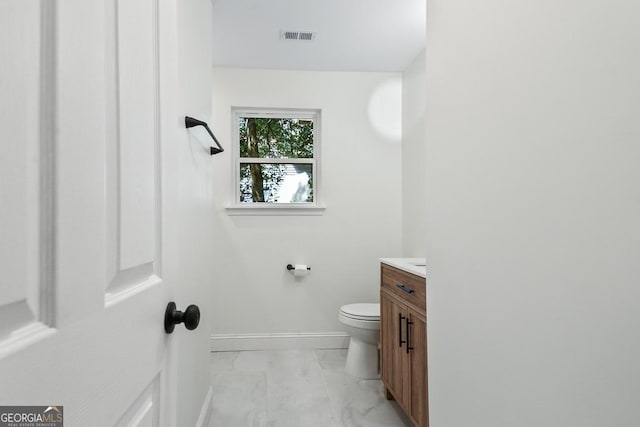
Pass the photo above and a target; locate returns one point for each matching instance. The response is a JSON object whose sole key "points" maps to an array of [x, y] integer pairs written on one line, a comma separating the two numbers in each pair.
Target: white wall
{"points": [[533, 243], [413, 154], [360, 180]]}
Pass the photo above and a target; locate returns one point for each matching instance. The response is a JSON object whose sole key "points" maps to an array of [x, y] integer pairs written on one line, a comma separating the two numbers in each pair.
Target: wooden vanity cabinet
{"points": [[403, 341]]}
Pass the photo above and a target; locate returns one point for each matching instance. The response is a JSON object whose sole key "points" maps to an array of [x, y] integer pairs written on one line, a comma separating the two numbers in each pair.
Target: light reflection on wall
{"points": [[385, 109]]}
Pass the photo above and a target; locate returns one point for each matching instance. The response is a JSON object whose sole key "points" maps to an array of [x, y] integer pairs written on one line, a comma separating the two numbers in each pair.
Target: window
{"points": [[276, 155]]}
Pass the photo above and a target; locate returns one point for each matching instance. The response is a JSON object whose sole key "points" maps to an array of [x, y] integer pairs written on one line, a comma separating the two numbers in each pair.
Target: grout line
{"points": [[266, 398]]}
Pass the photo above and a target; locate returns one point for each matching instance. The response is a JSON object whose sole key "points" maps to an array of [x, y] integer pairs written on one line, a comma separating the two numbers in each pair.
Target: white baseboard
{"points": [[286, 341], [205, 412]]}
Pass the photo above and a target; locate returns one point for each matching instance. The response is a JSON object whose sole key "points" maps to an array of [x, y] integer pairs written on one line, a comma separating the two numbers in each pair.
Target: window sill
{"points": [[272, 210]]}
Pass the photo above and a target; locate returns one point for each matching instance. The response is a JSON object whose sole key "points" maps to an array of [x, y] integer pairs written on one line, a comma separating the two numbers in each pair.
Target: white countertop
{"points": [[410, 265]]}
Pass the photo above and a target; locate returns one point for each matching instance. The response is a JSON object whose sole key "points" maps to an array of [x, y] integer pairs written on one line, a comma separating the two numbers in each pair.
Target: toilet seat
{"points": [[364, 316], [363, 311]]}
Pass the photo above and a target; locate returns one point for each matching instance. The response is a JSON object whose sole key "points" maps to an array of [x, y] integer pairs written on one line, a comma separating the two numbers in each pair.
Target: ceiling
{"points": [[349, 35]]}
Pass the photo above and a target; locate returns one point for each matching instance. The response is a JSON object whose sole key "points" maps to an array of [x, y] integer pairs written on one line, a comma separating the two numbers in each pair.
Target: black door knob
{"points": [[190, 317]]}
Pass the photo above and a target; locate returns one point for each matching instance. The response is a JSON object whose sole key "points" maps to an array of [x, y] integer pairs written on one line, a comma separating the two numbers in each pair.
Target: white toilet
{"points": [[362, 322]]}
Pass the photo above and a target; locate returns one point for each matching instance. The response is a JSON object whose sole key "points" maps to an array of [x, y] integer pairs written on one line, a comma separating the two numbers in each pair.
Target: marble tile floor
{"points": [[296, 388]]}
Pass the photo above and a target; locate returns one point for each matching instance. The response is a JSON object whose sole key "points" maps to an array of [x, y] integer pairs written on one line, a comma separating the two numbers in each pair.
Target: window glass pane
{"points": [[276, 138], [276, 183]]}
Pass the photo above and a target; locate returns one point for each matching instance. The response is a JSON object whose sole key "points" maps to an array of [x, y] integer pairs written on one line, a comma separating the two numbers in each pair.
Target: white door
{"points": [[88, 136]]}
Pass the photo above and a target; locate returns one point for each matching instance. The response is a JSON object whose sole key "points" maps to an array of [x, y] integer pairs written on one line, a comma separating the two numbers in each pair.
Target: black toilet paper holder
{"points": [[291, 267]]}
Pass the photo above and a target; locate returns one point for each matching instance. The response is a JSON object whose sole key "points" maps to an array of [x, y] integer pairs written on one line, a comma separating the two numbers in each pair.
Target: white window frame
{"points": [[264, 208]]}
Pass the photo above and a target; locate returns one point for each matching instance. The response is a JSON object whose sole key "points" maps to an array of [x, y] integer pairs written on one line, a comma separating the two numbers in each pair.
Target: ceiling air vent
{"points": [[297, 35]]}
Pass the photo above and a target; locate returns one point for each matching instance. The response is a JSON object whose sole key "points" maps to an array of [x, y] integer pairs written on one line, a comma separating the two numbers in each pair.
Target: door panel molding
{"points": [[27, 308], [145, 410], [133, 147], [131, 282], [48, 218]]}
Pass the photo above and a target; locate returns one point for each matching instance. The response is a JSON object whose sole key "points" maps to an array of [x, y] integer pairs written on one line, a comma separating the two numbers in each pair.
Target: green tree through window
{"points": [[276, 159]]}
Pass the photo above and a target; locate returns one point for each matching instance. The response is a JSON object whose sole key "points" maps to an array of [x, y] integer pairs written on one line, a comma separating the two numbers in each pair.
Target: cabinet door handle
{"points": [[408, 334], [400, 319], [404, 288]]}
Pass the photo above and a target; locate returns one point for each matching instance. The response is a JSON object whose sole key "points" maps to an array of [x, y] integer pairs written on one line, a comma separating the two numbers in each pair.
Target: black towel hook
{"points": [[190, 122]]}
